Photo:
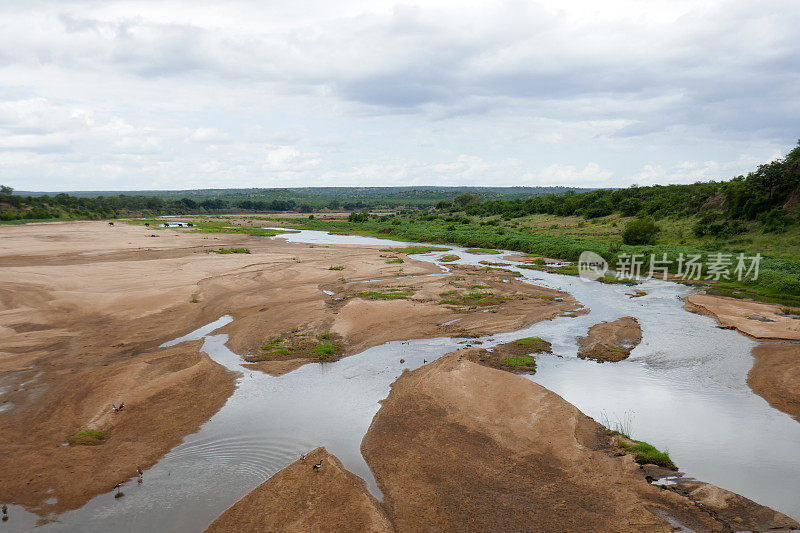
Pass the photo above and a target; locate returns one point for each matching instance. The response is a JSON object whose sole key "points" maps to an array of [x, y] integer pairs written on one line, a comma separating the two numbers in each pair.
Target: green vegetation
{"points": [[640, 231], [336, 267], [277, 346], [415, 249], [533, 343], [646, 453], [471, 299], [790, 311], [102, 205], [324, 349], [482, 251], [757, 213], [297, 344], [395, 260], [232, 251], [89, 437], [524, 362], [391, 293], [449, 257]]}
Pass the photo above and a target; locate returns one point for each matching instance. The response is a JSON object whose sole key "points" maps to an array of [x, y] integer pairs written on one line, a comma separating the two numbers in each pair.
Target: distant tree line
{"points": [[770, 195], [303, 200]]}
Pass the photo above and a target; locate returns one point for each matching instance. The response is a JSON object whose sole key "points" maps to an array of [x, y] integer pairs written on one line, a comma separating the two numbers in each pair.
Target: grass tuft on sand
{"points": [[325, 349], [647, 453], [525, 362], [89, 437], [232, 251], [449, 257], [391, 293], [482, 251], [472, 299], [336, 267]]}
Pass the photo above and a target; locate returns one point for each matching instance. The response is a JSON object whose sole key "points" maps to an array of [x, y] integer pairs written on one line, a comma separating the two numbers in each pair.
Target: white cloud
{"points": [[299, 93]]}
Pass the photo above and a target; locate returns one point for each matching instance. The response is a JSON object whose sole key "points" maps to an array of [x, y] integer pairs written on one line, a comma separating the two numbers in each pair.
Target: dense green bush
{"points": [[640, 231]]}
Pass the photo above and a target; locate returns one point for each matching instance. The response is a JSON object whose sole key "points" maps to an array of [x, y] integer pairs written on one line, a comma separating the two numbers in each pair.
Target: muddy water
{"points": [[682, 389]]}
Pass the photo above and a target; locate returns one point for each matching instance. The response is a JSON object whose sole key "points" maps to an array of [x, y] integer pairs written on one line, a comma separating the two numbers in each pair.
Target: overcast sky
{"points": [[105, 95]]}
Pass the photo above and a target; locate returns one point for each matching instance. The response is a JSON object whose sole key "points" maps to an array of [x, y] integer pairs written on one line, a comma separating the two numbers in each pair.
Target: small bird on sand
{"points": [[115, 408], [139, 471], [121, 406], [317, 466], [303, 457]]}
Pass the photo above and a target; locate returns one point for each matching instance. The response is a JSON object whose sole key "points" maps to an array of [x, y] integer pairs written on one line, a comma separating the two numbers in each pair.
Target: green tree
{"points": [[640, 231]]}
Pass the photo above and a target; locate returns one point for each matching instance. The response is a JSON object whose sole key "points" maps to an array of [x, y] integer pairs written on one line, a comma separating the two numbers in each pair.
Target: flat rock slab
{"points": [[610, 341]]}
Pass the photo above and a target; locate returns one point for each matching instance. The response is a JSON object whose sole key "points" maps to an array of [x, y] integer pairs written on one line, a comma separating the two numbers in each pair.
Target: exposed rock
{"points": [[299, 498], [461, 447], [610, 341]]}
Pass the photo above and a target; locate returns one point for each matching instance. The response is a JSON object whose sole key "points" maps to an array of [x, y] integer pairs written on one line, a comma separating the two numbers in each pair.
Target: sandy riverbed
{"points": [[462, 447], [85, 306], [775, 375]]}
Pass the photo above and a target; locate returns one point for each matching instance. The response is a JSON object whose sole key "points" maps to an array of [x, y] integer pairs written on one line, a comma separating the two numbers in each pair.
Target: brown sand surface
{"points": [[775, 375], [84, 305], [610, 341], [462, 447], [736, 313], [300, 499]]}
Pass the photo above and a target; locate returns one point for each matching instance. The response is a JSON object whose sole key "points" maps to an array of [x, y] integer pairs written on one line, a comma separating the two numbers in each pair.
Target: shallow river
{"points": [[683, 389]]}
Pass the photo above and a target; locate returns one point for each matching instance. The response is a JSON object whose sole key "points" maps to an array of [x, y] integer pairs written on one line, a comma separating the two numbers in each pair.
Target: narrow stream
{"points": [[683, 389]]}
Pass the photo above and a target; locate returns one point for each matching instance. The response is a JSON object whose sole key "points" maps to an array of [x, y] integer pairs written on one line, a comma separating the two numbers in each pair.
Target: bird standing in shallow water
{"points": [[317, 466], [5, 512], [119, 486], [139, 471]]}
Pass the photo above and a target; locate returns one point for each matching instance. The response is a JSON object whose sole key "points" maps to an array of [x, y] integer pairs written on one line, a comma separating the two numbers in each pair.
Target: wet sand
{"points": [[462, 447], [775, 375], [85, 306], [300, 499], [743, 315]]}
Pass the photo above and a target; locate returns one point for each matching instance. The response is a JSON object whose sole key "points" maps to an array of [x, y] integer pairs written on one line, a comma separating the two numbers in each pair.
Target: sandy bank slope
{"points": [[775, 375], [462, 447], [162, 404], [736, 313], [299, 499]]}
